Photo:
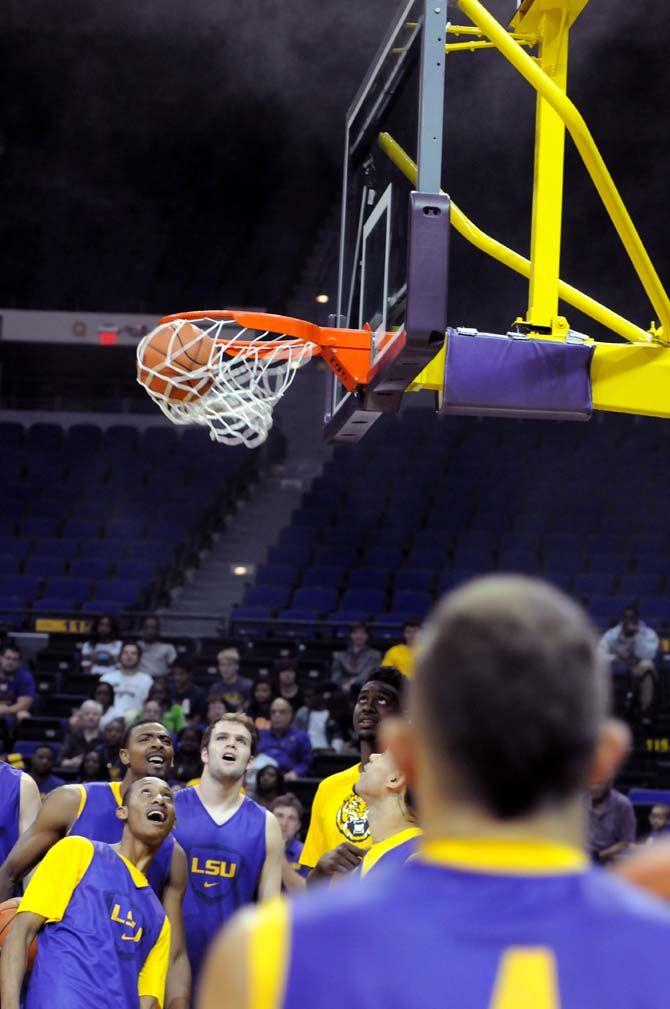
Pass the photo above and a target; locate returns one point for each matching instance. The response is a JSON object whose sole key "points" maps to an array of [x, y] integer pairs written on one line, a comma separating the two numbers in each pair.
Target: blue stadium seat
{"points": [[81, 529], [369, 578], [118, 588], [653, 563], [99, 607], [89, 567], [322, 577], [45, 438], [365, 600], [563, 560], [276, 574], [108, 550], [72, 588], [525, 561], [14, 546], [9, 565], [122, 529], [339, 622], [427, 557], [297, 555], [382, 557], [272, 597], [594, 583], [416, 579], [417, 603], [616, 563], [297, 623], [11, 434], [151, 550], [83, 438], [243, 621], [19, 585], [334, 556], [54, 547], [317, 600], [55, 604], [644, 583], [477, 558], [138, 571], [298, 536], [44, 567], [39, 527], [605, 610]]}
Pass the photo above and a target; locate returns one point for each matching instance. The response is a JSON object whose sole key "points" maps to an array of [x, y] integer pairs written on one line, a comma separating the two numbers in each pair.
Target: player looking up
{"points": [[90, 811], [339, 831], [19, 805], [104, 939], [393, 827], [234, 847], [501, 907]]}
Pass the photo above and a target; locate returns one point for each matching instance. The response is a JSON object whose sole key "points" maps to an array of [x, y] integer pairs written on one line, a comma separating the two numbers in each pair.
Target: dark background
{"points": [[158, 154]]}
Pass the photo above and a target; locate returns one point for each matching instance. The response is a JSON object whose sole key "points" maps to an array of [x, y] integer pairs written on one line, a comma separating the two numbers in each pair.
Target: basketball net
{"points": [[235, 392]]}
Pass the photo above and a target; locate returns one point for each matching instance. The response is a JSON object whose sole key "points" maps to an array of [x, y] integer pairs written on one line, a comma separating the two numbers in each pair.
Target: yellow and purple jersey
{"points": [[473, 925], [393, 852], [10, 808], [106, 941], [97, 820]]}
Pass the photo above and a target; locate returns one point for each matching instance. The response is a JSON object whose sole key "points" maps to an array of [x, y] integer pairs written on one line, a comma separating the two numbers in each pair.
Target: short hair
{"points": [[92, 703], [233, 716], [152, 616], [136, 725], [389, 675], [359, 626], [135, 644], [45, 746], [182, 664], [136, 782], [411, 622], [511, 693], [292, 801], [228, 653], [9, 646]]}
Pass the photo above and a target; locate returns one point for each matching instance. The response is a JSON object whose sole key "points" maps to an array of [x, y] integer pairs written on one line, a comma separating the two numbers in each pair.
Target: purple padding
{"points": [[502, 376]]}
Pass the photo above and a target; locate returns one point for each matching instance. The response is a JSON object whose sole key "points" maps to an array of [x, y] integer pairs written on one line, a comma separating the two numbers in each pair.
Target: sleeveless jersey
{"points": [[224, 867], [449, 929], [10, 808], [97, 820], [393, 852], [108, 922]]}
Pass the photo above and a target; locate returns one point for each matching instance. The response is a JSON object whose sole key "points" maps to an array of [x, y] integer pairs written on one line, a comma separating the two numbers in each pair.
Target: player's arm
{"points": [[151, 983], [293, 882], [178, 989], [14, 959], [341, 860], [54, 818], [29, 803], [270, 881]]}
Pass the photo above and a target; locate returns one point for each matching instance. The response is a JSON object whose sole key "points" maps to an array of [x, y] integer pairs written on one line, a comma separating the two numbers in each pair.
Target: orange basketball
{"points": [[7, 915], [173, 350]]}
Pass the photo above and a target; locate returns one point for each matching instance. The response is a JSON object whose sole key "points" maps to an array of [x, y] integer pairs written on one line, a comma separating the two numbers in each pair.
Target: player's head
{"points": [[289, 812], [379, 697], [509, 703], [228, 747], [148, 810], [146, 748], [659, 817], [381, 782]]}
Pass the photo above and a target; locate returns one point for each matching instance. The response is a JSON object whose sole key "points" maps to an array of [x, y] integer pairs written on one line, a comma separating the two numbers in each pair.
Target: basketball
{"points": [[173, 351], [8, 911]]}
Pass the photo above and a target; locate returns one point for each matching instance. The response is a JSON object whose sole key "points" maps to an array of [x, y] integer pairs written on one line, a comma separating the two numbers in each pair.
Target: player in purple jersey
{"points": [[19, 805], [90, 811], [233, 846]]}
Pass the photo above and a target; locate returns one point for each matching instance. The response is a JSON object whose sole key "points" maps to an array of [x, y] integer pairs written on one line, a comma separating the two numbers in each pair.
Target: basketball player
{"points": [[234, 847], [90, 811], [104, 939], [338, 832], [19, 805], [500, 908], [393, 828]]}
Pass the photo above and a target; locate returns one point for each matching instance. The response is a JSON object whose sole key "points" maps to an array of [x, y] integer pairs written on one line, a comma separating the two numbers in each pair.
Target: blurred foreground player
{"points": [[500, 908], [393, 828], [91, 811], [19, 805], [104, 939], [233, 846]]}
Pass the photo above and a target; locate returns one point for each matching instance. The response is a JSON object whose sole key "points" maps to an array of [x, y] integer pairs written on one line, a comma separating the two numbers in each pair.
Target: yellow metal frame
{"points": [[629, 379]]}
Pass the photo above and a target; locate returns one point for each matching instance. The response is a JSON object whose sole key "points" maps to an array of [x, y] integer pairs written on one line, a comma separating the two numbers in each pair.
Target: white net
{"points": [[213, 373]]}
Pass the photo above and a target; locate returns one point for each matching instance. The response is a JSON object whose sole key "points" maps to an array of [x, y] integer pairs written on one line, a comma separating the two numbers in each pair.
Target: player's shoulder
{"points": [[624, 905], [184, 796], [75, 847], [338, 781]]}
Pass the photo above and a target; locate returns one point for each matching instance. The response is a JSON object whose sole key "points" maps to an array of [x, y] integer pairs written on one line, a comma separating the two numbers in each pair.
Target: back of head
{"points": [[510, 694]]}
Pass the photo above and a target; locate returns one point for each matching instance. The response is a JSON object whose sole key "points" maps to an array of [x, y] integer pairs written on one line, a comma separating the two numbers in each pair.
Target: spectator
{"points": [[104, 695], [402, 656], [289, 812], [314, 719], [191, 699], [17, 688], [269, 785], [215, 709], [233, 689], [85, 737], [259, 706], [631, 647], [611, 822], [173, 717], [102, 650], [659, 821], [131, 688], [287, 679], [340, 710], [289, 746], [355, 663], [93, 768], [157, 655], [41, 766], [112, 737], [187, 762]]}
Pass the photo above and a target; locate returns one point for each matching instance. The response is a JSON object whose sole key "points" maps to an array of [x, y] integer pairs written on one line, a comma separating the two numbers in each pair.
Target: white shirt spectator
{"points": [[130, 691], [99, 657], [157, 655]]}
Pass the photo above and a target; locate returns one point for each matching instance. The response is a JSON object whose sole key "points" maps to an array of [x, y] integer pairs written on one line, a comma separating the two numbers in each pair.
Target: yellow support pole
{"points": [[547, 216], [508, 257], [588, 150]]}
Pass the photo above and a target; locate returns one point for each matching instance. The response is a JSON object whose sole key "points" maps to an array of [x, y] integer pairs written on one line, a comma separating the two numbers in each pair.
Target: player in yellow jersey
{"points": [[500, 908], [393, 827]]}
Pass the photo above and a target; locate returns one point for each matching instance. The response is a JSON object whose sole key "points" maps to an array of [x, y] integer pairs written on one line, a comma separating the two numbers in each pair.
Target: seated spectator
{"points": [[287, 684], [340, 709], [659, 821], [289, 812], [93, 768], [86, 736], [102, 650], [187, 762], [611, 823], [262, 697], [353, 665], [314, 719], [112, 738], [402, 656], [104, 695], [289, 746], [631, 647], [215, 710], [131, 687], [269, 785], [233, 689], [41, 767], [191, 699], [159, 709], [17, 689], [157, 655]]}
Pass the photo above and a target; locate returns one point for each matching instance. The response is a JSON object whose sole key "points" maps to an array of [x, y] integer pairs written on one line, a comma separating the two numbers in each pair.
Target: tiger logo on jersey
{"points": [[352, 819]]}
